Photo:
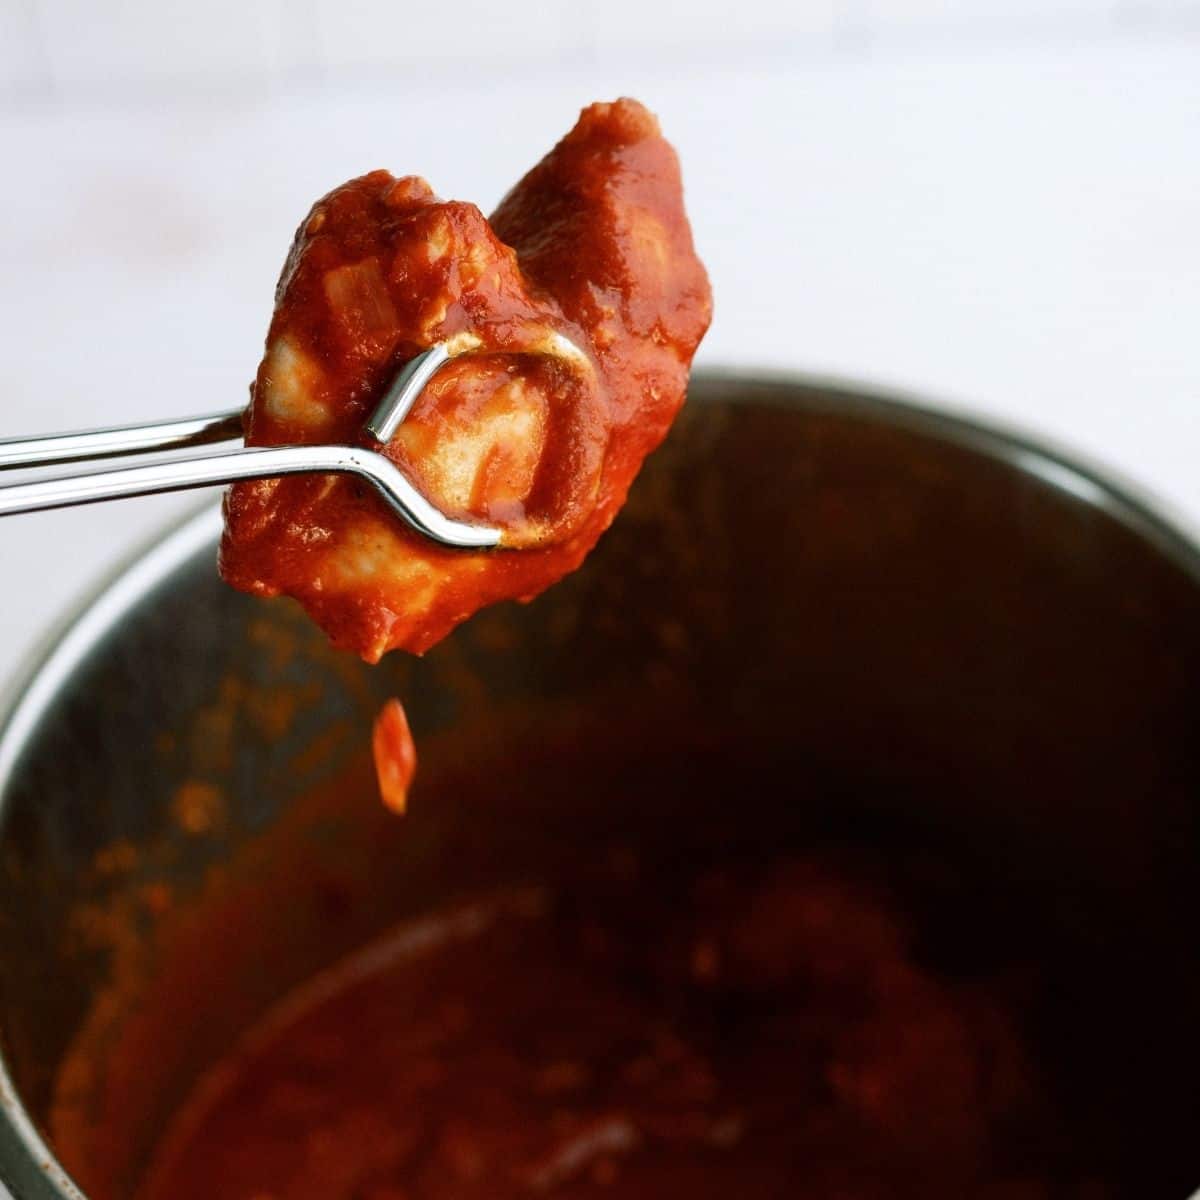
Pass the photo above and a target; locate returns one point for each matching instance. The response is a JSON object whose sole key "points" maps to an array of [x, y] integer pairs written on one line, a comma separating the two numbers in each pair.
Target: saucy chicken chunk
{"points": [[573, 314]]}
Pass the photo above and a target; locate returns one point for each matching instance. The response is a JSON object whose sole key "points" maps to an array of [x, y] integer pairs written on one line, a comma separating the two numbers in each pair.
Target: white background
{"points": [[994, 202]]}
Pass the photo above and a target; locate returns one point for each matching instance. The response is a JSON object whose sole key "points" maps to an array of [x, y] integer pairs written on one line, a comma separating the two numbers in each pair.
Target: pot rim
{"points": [[27, 1164]]}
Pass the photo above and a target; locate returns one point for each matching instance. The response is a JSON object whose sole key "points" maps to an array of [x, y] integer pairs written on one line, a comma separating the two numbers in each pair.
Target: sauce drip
{"points": [[580, 302]]}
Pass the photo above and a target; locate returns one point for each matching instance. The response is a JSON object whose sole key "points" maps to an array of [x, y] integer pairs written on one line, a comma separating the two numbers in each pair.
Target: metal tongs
{"points": [[217, 466]]}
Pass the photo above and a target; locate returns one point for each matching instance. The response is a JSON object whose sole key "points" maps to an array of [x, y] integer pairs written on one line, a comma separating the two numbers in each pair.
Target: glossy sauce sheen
{"points": [[734, 1032], [581, 302]]}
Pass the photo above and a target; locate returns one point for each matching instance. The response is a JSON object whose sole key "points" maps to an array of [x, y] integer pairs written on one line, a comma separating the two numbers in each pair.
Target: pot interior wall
{"points": [[820, 619]]}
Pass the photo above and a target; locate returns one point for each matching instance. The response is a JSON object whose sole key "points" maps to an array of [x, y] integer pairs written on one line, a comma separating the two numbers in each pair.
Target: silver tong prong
{"points": [[236, 464], [153, 436]]}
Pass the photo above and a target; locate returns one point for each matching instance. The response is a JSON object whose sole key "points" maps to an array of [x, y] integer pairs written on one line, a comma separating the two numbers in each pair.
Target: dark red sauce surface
{"points": [[752, 1035]]}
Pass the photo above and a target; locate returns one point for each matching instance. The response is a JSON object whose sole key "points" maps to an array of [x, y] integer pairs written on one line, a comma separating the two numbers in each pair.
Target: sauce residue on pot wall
{"points": [[661, 984]]}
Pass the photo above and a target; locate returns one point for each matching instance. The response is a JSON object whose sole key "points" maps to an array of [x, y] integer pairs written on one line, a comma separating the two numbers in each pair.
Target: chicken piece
{"points": [[581, 304]]}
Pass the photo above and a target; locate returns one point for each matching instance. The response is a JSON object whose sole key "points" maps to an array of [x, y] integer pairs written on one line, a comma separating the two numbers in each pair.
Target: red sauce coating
{"points": [[592, 246]]}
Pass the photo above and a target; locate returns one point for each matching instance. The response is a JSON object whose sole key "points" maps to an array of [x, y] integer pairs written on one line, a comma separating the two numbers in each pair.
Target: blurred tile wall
{"points": [[57, 49]]}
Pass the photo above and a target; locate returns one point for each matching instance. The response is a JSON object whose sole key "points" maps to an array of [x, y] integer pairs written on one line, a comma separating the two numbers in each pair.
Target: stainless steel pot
{"points": [[893, 627]]}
